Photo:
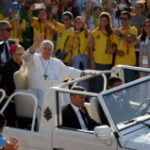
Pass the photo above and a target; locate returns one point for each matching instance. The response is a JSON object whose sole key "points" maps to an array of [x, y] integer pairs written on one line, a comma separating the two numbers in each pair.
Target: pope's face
{"points": [[46, 51]]}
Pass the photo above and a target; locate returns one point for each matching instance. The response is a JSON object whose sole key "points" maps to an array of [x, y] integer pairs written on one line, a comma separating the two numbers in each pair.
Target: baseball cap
{"points": [[15, 5]]}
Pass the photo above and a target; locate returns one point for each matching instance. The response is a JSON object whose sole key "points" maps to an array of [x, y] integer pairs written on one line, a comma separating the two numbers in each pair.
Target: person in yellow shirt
{"points": [[18, 24], [64, 40], [125, 55], [80, 54], [102, 48], [41, 23], [1, 15]]}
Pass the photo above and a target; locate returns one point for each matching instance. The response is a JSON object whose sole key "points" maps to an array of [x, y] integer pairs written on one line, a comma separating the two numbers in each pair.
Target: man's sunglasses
{"points": [[123, 18], [8, 29]]}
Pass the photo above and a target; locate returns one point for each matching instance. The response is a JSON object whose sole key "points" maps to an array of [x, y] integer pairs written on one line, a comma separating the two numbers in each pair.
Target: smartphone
{"points": [[39, 5]]}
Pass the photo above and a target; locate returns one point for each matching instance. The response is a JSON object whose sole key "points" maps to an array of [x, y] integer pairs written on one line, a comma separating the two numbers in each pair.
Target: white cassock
{"points": [[54, 69]]}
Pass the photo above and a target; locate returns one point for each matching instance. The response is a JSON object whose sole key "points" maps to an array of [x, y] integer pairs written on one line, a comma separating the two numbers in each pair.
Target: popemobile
{"points": [[128, 127]]}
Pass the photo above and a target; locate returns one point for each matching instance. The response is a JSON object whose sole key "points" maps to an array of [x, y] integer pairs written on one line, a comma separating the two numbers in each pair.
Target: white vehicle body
{"points": [[131, 134]]}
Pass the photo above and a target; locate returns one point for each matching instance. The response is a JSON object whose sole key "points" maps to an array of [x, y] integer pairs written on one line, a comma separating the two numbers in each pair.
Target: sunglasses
{"points": [[123, 18], [8, 29]]}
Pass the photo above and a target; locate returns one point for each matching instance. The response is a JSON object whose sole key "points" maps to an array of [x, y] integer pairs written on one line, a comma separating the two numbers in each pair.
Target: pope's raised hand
{"points": [[37, 39]]}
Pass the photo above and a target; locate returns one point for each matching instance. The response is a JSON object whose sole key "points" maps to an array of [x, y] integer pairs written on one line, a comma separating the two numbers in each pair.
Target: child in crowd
{"points": [[2, 124], [4, 143], [80, 54]]}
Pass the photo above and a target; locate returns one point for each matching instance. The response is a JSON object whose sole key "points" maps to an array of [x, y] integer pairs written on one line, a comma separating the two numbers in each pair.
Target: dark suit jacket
{"points": [[10, 42], [8, 70], [70, 119]]}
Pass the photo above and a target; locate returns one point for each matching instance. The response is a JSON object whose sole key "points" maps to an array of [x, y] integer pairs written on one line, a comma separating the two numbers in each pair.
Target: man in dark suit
{"points": [[75, 115], [5, 43]]}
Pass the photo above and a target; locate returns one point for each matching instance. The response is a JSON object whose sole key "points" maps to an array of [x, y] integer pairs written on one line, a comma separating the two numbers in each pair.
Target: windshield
{"points": [[128, 103]]}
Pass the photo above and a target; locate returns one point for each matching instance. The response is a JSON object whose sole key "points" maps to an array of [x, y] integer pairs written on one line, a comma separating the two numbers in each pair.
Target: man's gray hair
{"points": [[3, 23], [44, 42]]}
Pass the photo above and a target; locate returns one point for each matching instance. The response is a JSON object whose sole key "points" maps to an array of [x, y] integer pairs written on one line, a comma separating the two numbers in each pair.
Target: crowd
{"points": [[87, 34]]}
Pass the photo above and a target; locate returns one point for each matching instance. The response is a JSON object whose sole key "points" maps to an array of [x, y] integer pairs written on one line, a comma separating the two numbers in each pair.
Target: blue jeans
{"points": [[81, 62]]}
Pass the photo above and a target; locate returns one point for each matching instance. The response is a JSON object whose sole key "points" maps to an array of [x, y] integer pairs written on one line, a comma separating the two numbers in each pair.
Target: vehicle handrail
{"points": [[97, 73], [132, 68], [60, 89], [3, 95], [27, 94], [105, 82]]}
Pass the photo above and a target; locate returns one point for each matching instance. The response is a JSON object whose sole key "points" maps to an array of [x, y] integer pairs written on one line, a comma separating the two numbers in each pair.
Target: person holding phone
{"points": [[18, 24], [41, 23]]}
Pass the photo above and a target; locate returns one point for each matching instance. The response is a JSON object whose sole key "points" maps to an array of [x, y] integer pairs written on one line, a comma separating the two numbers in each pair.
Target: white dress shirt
{"points": [[76, 109]]}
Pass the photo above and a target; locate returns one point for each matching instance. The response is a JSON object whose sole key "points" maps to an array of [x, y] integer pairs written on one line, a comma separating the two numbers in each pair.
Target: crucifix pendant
{"points": [[45, 76]]}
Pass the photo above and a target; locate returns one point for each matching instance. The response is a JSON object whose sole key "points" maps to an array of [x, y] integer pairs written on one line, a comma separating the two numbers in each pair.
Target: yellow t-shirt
{"points": [[129, 57], [64, 40], [80, 43], [14, 33], [102, 44], [40, 27], [1, 16]]}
